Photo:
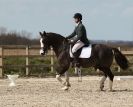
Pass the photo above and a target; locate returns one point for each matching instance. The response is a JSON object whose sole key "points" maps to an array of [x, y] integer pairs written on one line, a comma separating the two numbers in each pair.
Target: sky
{"points": [[103, 19]]}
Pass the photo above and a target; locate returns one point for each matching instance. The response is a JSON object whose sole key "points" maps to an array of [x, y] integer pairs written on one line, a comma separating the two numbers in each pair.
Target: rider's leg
{"points": [[79, 44], [75, 48]]}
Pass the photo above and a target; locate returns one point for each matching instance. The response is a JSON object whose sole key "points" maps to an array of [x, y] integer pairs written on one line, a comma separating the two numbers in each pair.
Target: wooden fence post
{"points": [[52, 60], [1, 62], [27, 60], [119, 69]]}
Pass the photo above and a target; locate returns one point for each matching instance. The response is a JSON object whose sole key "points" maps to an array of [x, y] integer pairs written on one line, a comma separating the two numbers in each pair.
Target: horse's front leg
{"points": [[66, 84], [58, 77], [62, 68]]}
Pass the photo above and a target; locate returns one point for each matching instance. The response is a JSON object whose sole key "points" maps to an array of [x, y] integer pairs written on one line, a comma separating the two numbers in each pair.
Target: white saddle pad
{"points": [[85, 53]]}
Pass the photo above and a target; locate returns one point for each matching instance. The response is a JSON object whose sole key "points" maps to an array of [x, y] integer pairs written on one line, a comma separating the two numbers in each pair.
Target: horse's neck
{"points": [[57, 43], [58, 49]]}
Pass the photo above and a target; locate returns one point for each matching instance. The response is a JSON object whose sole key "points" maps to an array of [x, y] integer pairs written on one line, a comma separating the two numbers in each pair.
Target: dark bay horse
{"points": [[101, 58]]}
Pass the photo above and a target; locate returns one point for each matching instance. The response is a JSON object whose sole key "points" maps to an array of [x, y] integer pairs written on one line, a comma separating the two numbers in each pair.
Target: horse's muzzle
{"points": [[42, 52]]}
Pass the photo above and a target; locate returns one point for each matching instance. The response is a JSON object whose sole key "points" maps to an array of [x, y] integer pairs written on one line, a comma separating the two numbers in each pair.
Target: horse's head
{"points": [[44, 43]]}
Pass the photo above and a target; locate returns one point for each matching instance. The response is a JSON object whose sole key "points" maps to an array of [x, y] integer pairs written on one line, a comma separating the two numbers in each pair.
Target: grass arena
{"points": [[46, 92]]}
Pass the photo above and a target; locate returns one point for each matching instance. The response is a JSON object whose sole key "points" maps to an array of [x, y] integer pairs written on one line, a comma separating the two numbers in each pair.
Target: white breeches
{"points": [[77, 46]]}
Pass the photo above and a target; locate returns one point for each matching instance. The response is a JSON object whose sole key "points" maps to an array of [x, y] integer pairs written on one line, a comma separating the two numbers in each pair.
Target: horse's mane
{"points": [[57, 41], [55, 35]]}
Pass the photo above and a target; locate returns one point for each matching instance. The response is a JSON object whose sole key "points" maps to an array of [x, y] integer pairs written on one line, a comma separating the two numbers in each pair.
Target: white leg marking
{"points": [[65, 88], [79, 75], [61, 81], [102, 82], [78, 71], [59, 78], [66, 83]]}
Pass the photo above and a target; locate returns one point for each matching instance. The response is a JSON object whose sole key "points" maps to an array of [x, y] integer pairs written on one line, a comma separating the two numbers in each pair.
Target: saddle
{"points": [[84, 52]]}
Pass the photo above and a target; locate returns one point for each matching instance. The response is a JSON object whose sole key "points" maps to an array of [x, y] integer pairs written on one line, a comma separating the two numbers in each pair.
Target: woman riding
{"points": [[78, 38]]}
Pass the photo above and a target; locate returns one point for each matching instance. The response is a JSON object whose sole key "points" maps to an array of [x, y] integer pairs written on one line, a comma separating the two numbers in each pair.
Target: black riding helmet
{"points": [[78, 15]]}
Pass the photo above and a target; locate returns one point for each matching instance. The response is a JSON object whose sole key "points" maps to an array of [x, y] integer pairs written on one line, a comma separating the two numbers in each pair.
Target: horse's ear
{"points": [[42, 34]]}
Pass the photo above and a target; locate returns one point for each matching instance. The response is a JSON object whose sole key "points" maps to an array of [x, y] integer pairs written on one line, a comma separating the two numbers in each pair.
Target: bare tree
{"points": [[3, 30]]}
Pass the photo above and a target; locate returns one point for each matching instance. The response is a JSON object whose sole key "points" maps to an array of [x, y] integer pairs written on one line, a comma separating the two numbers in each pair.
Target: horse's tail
{"points": [[120, 59]]}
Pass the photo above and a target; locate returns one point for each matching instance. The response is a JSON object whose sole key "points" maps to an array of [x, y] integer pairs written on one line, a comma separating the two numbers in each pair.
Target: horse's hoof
{"points": [[101, 90], [98, 90], [110, 91], [101, 87], [69, 85], [65, 88]]}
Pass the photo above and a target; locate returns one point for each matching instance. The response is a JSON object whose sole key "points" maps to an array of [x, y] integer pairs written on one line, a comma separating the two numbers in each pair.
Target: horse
{"points": [[101, 58]]}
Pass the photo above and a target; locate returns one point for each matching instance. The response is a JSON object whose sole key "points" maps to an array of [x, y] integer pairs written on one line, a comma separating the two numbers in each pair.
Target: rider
{"points": [[79, 37]]}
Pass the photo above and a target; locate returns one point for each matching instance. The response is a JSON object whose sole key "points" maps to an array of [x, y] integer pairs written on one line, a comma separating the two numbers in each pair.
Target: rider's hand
{"points": [[70, 41], [67, 38]]}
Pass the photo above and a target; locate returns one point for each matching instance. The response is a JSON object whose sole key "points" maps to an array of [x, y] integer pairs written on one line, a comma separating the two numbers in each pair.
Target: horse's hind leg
{"points": [[61, 71], [111, 77], [102, 82], [103, 78], [108, 72]]}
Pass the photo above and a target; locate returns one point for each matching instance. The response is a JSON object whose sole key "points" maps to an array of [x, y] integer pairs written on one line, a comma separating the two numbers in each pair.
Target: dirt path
{"points": [[47, 92]]}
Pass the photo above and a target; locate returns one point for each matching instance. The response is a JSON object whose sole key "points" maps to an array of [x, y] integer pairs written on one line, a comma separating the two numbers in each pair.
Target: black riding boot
{"points": [[75, 60]]}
